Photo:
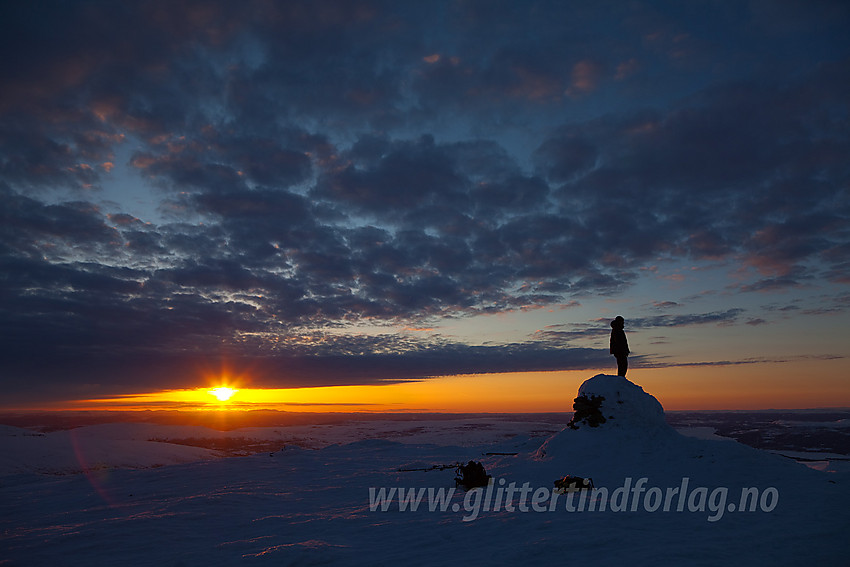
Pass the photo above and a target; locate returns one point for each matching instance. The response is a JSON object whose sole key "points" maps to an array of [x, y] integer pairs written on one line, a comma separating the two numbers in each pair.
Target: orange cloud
{"points": [[585, 78]]}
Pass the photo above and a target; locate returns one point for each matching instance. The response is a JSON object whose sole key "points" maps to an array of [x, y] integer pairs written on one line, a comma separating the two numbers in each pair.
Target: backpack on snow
{"points": [[471, 475]]}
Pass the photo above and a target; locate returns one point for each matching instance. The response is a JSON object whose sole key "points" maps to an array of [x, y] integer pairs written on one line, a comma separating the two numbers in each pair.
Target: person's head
{"points": [[618, 322]]}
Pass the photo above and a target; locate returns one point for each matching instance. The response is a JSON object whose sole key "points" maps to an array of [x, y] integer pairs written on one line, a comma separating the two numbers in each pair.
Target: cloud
{"points": [[585, 78], [730, 173], [746, 361], [715, 317], [598, 330], [321, 165], [378, 360], [407, 177]]}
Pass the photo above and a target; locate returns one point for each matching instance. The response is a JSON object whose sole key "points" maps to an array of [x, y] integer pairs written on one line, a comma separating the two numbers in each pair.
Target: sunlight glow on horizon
{"points": [[746, 387], [484, 393]]}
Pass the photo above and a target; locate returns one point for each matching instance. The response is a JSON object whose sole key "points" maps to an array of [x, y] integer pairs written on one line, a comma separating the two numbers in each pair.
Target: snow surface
{"points": [[707, 433], [144, 445], [121, 445], [311, 506]]}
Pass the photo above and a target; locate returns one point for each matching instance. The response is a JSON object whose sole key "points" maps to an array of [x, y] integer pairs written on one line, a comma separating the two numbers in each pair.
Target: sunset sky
{"points": [[429, 206]]}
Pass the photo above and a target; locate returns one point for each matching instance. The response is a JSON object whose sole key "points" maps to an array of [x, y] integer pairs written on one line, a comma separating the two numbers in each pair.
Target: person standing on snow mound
{"points": [[619, 345]]}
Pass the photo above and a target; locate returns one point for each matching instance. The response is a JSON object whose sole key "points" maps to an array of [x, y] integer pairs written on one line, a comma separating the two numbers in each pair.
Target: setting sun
{"points": [[223, 394]]}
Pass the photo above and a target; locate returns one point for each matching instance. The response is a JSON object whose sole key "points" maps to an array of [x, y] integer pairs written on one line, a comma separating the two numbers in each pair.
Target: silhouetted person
{"points": [[619, 345]]}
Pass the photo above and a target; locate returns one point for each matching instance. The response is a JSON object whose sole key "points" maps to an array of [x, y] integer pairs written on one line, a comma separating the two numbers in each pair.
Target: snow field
{"points": [[316, 506]]}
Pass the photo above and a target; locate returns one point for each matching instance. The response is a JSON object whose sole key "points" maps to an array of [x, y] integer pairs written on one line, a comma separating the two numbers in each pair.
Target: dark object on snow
{"points": [[432, 468], [471, 475], [572, 483], [587, 411], [619, 345]]}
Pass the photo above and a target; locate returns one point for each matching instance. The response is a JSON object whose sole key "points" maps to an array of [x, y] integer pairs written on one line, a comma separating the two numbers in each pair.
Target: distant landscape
{"points": [[815, 430]]}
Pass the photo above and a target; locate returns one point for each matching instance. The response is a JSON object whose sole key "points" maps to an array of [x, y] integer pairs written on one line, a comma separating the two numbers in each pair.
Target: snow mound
{"points": [[621, 432], [621, 404], [618, 429], [613, 418]]}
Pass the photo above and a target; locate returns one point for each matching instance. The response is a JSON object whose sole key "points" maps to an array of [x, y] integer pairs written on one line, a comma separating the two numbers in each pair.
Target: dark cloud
{"points": [[734, 172], [409, 176], [746, 361], [319, 165], [773, 283], [661, 305], [31, 228], [597, 331], [363, 361], [716, 317]]}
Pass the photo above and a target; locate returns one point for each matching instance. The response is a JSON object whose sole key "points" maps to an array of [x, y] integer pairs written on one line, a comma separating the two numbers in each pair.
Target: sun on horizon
{"points": [[223, 393]]}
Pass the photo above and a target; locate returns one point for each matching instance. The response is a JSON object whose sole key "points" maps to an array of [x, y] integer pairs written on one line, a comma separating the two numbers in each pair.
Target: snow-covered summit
{"points": [[616, 424], [619, 430], [621, 405], [611, 411]]}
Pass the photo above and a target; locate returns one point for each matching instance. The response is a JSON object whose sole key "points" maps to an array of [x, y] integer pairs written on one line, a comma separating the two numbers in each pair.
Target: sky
{"points": [[424, 206]]}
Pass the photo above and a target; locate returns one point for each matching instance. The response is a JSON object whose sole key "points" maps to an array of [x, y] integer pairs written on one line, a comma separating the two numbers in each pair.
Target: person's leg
{"points": [[622, 365]]}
